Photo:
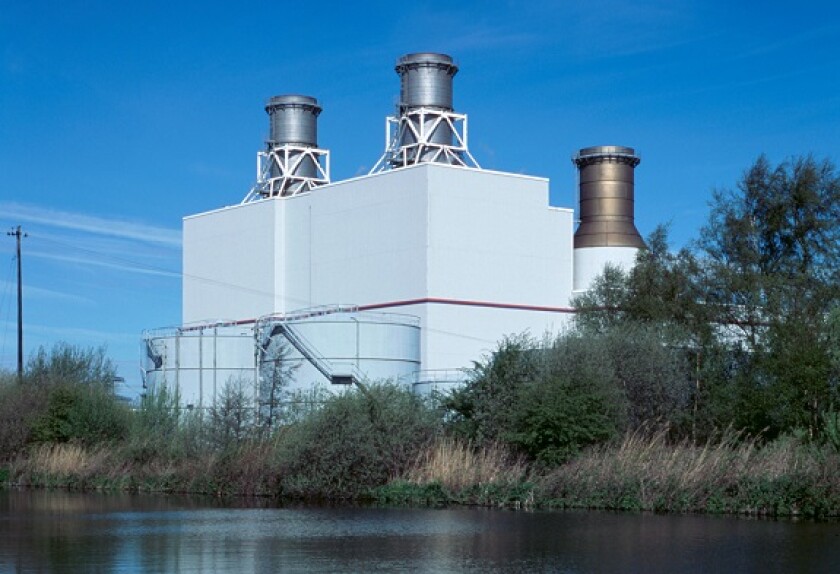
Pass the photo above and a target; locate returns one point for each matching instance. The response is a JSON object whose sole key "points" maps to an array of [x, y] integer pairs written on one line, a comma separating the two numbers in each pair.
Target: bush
{"points": [[89, 414], [67, 363], [65, 394], [356, 441], [550, 401], [483, 410], [573, 403], [161, 431], [20, 405]]}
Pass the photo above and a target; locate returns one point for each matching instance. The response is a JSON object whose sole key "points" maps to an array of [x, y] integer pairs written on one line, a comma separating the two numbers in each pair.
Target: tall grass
{"points": [[63, 464], [453, 471], [456, 465], [729, 474]]}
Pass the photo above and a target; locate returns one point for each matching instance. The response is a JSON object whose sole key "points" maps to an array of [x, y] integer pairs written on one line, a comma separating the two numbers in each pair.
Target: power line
{"points": [[161, 270]]}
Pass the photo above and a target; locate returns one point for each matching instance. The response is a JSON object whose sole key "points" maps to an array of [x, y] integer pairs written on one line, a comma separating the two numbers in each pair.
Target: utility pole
{"points": [[18, 234]]}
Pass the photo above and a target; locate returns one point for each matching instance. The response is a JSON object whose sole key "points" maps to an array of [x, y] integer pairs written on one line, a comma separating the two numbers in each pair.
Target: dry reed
{"points": [[645, 471], [65, 460], [456, 465]]}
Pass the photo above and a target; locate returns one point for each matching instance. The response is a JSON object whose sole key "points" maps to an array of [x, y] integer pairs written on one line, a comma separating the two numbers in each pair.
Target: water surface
{"points": [[43, 531]]}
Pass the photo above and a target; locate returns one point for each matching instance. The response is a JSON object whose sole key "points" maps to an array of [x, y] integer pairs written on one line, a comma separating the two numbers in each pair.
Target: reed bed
{"points": [[58, 463], [729, 474], [456, 465]]}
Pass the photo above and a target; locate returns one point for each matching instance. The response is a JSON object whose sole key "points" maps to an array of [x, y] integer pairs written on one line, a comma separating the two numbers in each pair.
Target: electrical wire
{"points": [[153, 268], [206, 280]]}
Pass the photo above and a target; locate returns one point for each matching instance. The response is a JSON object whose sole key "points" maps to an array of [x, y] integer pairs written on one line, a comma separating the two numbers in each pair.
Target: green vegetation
{"points": [[702, 380]]}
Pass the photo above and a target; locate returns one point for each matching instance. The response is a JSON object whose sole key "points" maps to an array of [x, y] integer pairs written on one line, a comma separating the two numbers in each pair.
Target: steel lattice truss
{"points": [[279, 171], [410, 139]]}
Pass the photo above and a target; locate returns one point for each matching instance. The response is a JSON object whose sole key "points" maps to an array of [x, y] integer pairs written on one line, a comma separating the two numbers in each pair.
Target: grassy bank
{"points": [[642, 472], [786, 477], [500, 441]]}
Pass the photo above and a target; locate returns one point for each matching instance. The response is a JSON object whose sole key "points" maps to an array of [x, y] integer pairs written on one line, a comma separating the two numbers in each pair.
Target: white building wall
{"points": [[229, 262], [495, 244], [359, 241], [422, 240]]}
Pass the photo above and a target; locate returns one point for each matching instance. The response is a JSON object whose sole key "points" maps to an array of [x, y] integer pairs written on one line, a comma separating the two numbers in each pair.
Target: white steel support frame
{"points": [[286, 160], [421, 124]]}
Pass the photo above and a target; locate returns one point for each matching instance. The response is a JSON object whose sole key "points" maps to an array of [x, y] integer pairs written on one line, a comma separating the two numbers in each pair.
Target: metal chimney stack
{"points": [[426, 82], [426, 128], [294, 121], [292, 162], [607, 233], [606, 197]]}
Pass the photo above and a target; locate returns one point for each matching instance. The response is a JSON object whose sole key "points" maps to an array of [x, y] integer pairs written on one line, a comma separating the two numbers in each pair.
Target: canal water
{"points": [[42, 531]]}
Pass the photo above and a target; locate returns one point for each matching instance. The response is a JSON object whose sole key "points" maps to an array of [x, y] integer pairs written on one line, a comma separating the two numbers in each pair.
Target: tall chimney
{"points": [[607, 231], [606, 197], [426, 82], [426, 129], [294, 122]]}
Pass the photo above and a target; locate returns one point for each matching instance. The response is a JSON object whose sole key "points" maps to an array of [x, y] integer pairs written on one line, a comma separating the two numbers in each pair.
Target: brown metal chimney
{"points": [[606, 197]]}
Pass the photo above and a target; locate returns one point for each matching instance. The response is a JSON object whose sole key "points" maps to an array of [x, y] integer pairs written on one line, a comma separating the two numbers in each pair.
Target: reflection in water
{"points": [[71, 532]]}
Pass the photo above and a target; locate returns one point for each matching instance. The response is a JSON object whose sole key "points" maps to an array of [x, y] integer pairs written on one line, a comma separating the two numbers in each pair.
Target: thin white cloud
{"points": [[118, 266], [42, 293], [113, 227], [73, 333]]}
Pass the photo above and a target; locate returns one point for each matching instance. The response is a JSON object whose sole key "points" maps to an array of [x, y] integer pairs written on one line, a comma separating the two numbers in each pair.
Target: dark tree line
{"points": [[739, 329]]}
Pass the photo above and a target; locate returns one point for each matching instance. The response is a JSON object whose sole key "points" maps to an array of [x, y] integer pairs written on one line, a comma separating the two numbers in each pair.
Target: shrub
{"points": [[161, 431], [483, 410], [356, 441], [67, 363], [550, 401], [20, 405], [87, 413]]}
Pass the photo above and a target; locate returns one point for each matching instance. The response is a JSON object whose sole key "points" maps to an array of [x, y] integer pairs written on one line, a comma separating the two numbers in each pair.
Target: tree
{"points": [[232, 415], [276, 372], [771, 253], [482, 410], [657, 329], [661, 289], [752, 302]]}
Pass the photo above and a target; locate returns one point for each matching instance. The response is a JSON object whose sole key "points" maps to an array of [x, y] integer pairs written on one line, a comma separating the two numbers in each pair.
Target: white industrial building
{"points": [[411, 272]]}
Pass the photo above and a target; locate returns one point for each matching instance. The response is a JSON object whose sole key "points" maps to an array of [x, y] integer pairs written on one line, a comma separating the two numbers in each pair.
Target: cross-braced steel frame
{"points": [[410, 139], [279, 171]]}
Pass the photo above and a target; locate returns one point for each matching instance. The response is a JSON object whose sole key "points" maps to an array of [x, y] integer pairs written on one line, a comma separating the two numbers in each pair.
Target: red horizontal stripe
{"points": [[466, 303], [408, 302]]}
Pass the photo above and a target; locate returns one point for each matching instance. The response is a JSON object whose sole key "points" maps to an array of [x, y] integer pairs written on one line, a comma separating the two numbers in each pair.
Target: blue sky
{"points": [[118, 119]]}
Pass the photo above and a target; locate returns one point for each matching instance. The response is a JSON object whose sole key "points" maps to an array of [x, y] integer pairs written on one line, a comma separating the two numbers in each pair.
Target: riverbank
{"points": [[786, 477]]}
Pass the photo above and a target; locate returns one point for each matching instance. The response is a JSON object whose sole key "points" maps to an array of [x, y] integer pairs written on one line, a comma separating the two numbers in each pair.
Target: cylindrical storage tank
{"points": [[607, 197], [377, 346], [199, 361], [294, 121]]}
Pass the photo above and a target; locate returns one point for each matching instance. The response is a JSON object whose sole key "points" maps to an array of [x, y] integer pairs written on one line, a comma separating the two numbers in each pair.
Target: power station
{"points": [[409, 273]]}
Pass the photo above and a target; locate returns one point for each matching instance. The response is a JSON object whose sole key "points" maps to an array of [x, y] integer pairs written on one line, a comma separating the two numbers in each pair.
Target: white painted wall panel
{"points": [[229, 262], [589, 262], [459, 335], [418, 233]]}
